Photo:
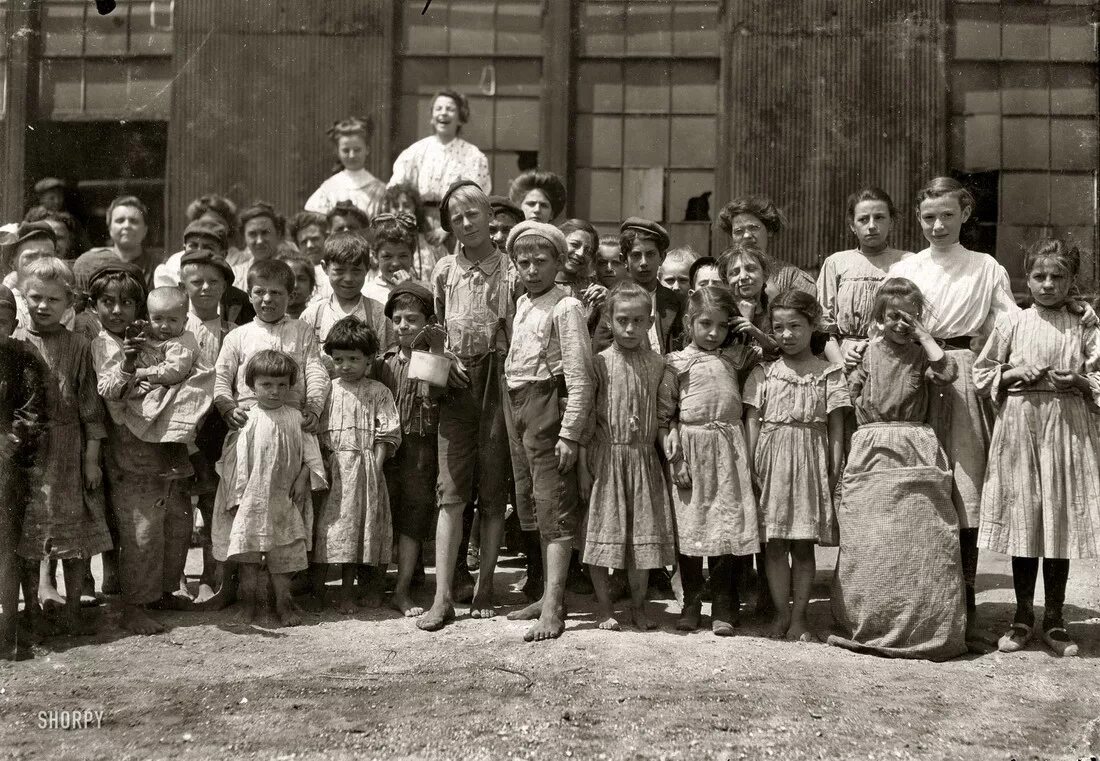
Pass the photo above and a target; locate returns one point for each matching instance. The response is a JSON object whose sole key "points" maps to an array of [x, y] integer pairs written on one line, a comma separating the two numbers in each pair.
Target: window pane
{"points": [[479, 130], [471, 28], [1025, 36], [105, 88], [599, 140], [504, 167], [1075, 199], [1025, 198], [517, 124], [599, 87], [63, 29], [599, 194], [411, 122], [695, 87], [1012, 242], [693, 234], [60, 88], [471, 76], [1073, 144], [647, 86], [427, 33], [602, 26], [682, 187], [519, 27], [518, 77], [1073, 89], [694, 141], [423, 75], [977, 33], [150, 88], [106, 35], [976, 143], [645, 141], [1024, 89], [975, 89], [1025, 143], [649, 28], [695, 29], [145, 39], [643, 193], [1073, 37]]}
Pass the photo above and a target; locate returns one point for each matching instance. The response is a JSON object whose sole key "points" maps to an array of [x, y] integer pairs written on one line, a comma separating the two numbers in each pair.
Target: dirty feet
{"points": [[438, 616]]}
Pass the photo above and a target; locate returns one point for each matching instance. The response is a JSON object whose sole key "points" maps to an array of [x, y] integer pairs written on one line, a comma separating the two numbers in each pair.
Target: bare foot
{"points": [[371, 598], [437, 617], [482, 605], [404, 603], [287, 612], [345, 603], [550, 625], [640, 616], [173, 602], [137, 620], [799, 631], [979, 641], [34, 628], [779, 627], [49, 597], [528, 613], [610, 625]]}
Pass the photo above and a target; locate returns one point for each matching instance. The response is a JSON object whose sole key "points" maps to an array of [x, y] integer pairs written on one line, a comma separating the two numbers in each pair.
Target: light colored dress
{"points": [[253, 510], [360, 187], [63, 519], [431, 167], [180, 393], [792, 453], [1042, 489], [629, 515], [847, 288], [966, 292], [717, 515], [354, 524], [322, 315]]}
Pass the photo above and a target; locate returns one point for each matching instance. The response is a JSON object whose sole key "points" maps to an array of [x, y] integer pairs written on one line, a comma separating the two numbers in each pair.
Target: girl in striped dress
{"points": [[1041, 497]]}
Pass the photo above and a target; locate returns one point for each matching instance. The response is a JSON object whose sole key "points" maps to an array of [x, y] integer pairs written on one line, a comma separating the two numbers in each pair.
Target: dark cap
{"points": [[501, 204], [444, 217], [649, 228], [210, 260], [207, 229], [7, 298], [114, 266], [417, 291], [48, 183], [31, 230]]}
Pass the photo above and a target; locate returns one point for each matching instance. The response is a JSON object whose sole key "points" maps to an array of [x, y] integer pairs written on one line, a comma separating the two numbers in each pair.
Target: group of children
{"points": [[641, 409]]}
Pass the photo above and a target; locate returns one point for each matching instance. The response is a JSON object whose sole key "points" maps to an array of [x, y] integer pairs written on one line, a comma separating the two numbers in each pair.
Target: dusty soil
{"points": [[373, 686]]}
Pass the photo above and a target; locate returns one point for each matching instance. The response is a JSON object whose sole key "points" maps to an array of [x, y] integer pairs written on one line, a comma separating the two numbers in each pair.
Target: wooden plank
{"points": [[21, 36], [555, 147], [644, 192]]}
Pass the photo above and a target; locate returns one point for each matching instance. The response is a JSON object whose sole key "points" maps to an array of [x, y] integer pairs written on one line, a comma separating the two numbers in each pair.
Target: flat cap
{"points": [[210, 260], [414, 289], [31, 230], [502, 204], [444, 217], [112, 267], [648, 227], [48, 183], [7, 298], [531, 228], [207, 229]]}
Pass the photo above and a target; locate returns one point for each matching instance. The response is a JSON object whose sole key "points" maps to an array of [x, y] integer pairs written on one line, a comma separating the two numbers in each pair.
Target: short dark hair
{"points": [[394, 193], [347, 209], [630, 236], [871, 193], [698, 264], [538, 179], [898, 288], [269, 363], [220, 205], [129, 286], [305, 263], [584, 226], [807, 306], [352, 334], [627, 290], [271, 269], [460, 101], [759, 206], [304, 219], [947, 186], [133, 201], [264, 209], [346, 248], [392, 231]]}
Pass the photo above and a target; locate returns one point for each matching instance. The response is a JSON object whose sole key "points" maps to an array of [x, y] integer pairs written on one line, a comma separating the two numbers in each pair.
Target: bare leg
{"points": [[370, 581], [318, 575], [639, 588], [533, 610], [551, 622], [448, 535], [48, 596], [74, 580], [802, 577], [345, 603], [284, 603], [137, 620], [779, 584], [408, 551], [247, 590], [601, 585], [492, 530], [111, 585]]}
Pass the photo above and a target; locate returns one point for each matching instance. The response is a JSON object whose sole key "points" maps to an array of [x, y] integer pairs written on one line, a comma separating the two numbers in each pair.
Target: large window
{"points": [[646, 128], [1024, 120], [490, 51], [117, 66]]}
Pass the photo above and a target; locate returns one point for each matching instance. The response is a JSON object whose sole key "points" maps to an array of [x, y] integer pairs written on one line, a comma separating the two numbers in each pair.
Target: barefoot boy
{"points": [[549, 366], [473, 299]]}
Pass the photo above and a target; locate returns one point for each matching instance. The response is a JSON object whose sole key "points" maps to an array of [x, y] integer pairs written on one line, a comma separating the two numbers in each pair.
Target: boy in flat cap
{"points": [[644, 244], [473, 300], [506, 215], [549, 377], [412, 471]]}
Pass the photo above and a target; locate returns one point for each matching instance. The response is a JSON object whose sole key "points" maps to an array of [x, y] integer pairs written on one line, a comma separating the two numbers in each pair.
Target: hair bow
{"points": [[402, 218]]}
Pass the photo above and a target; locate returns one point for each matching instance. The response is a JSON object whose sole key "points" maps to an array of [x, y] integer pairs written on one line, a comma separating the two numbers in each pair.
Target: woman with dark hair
{"points": [[127, 224], [435, 162], [755, 219], [540, 194]]}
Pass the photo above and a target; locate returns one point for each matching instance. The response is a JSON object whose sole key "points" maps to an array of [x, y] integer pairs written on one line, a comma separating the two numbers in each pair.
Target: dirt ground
{"points": [[374, 686]]}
